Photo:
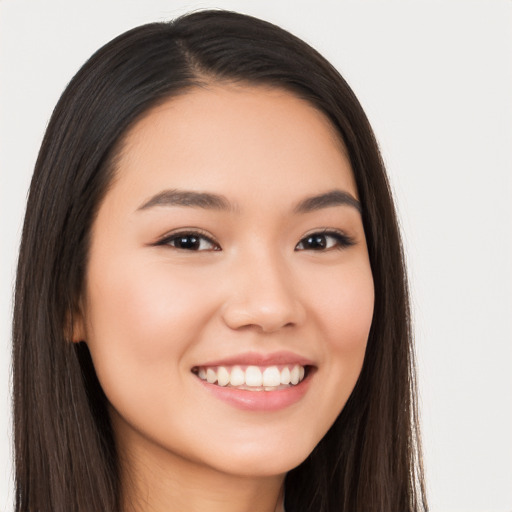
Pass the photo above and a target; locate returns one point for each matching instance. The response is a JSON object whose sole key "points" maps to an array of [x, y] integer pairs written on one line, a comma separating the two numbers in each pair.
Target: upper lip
{"points": [[259, 359]]}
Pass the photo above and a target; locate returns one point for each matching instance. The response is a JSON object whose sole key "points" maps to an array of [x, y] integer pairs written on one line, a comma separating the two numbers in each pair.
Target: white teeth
{"points": [[271, 377], [253, 378], [211, 376], [222, 376], [237, 376], [294, 375]]}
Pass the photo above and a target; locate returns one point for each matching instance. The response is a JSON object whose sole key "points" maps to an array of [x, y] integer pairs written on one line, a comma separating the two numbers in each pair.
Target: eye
{"points": [[324, 241], [190, 241]]}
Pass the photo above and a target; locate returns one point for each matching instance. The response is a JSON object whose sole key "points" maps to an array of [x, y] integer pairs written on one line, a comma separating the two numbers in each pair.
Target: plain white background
{"points": [[435, 78]]}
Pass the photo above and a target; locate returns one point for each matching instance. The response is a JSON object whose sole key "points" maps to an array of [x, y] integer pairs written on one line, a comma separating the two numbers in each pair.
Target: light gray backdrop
{"points": [[436, 81]]}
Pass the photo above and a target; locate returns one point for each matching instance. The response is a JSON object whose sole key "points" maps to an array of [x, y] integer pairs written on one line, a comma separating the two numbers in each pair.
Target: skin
{"points": [[150, 312]]}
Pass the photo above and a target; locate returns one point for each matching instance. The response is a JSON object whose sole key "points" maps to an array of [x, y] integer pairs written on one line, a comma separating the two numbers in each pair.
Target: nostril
{"points": [[250, 315]]}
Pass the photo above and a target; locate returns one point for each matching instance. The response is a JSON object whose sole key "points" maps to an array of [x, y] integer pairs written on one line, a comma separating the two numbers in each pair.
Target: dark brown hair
{"points": [[66, 460]]}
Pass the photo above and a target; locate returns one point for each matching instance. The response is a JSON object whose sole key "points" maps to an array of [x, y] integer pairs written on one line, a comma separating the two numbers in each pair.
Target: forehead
{"points": [[218, 136]]}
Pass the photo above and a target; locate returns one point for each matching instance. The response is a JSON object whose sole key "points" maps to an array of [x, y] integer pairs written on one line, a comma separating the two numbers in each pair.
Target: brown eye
{"points": [[324, 241], [190, 242]]}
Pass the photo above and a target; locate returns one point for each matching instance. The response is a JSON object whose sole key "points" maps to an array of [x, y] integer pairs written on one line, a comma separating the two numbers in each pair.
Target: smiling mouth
{"points": [[253, 378]]}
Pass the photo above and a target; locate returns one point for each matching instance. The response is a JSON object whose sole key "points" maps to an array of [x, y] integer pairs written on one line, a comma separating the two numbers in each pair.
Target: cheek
{"points": [[139, 302], [345, 312], [345, 307], [140, 322], [341, 311]]}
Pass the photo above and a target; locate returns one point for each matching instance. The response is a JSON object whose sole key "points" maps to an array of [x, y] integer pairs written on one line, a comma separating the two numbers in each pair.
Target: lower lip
{"points": [[266, 401]]}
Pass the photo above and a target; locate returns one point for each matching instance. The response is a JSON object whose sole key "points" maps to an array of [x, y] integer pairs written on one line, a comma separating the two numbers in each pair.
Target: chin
{"points": [[264, 462]]}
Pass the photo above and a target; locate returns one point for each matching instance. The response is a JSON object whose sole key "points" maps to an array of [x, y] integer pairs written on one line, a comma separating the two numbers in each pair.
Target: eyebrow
{"points": [[326, 200], [188, 198], [211, 201]]}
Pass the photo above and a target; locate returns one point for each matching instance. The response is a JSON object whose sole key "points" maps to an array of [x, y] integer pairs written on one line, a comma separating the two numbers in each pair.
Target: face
{"points": [[228, 295]]}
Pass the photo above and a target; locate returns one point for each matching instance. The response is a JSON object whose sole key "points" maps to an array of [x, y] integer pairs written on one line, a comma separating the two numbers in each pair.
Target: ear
{"points": [[75, 324]]}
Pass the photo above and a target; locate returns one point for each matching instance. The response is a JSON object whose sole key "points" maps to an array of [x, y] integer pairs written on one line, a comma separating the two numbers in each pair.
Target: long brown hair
{"points": [[65, 455]]}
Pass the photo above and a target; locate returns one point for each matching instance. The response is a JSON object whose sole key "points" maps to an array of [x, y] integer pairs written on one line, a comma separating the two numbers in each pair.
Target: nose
{"points": [[262, 295]]}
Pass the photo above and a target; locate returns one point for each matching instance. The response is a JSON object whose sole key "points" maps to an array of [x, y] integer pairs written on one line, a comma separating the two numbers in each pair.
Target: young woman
{"points": [[211, 305]]}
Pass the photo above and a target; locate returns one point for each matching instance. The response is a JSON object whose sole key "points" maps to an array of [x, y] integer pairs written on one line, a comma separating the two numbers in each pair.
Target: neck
{"points": [[151, 482]]}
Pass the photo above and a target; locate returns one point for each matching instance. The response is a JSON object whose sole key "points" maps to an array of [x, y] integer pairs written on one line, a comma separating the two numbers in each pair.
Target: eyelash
{"points": [[341, 241], [189, 234]]}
